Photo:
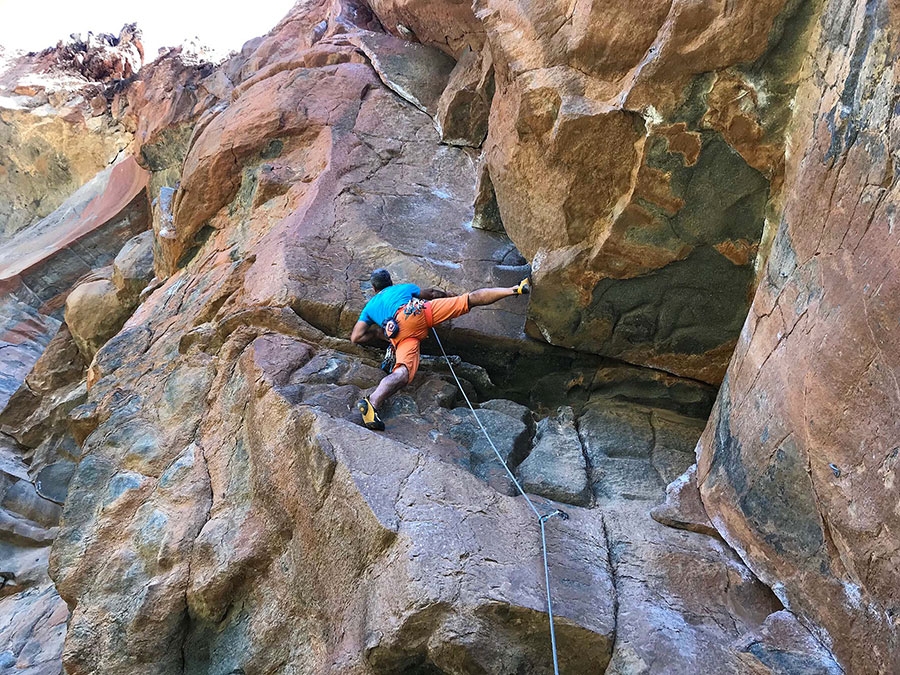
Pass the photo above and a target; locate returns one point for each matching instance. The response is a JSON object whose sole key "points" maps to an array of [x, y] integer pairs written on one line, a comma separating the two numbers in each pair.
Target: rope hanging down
{"points": [[541, 518]]}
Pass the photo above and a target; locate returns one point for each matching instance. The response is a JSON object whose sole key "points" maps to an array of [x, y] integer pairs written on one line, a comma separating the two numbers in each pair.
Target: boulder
{"points": [[133, 266], [555, 468], [510, 436], [229, 513], [94, 313], [60, 364], [639, 199], [512, 409], [462, 111]]}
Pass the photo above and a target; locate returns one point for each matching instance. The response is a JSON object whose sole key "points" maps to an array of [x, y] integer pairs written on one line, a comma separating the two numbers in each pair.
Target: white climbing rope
{"points": [[541, 518]]}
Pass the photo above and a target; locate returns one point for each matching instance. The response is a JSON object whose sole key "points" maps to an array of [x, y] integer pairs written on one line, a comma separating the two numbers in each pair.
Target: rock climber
{"points": [[402, 314]]}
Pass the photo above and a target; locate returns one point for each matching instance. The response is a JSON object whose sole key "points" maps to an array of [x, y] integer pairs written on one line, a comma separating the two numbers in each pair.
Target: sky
{"points": [[222, 25]]}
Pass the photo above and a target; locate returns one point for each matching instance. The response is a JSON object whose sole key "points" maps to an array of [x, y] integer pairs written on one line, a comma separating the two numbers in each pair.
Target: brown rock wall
{"points": [[633, 150], [448, 25], [796, 467], [56, 130], [226, 513]]}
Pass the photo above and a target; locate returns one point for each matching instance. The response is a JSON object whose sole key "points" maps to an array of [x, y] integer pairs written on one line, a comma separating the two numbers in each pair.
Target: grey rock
{"points": [[786, 647], [628, 478], [397, 405], [413, 71], [133, 266], [674, 439], [436, 393], [324, 368], [556, 467], [511, 408], [23, 532], [32, 629], [683, 508], [462, 113], [22, 500], [510, 437], [487, 212], [676, 432], [53, 481], [609, 429], [683, 598]]}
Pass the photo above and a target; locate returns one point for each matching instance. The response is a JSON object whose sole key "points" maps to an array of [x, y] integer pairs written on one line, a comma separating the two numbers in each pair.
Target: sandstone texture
{"points": [[628, 178], [42, 263], [184, 482], [56, 127], [797, 466]]}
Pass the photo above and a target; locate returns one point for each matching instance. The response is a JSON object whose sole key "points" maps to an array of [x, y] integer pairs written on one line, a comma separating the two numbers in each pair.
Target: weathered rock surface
{"points": [[510, 436], [39, 266], [225, 512], [36, 463], [783, 645], [683, 508], [555, 468], [32, 629], [679, 593], [797, 466], [410, 519], [57, 131], [450, 26], [101, 216], [625, 175], [464, 105]]}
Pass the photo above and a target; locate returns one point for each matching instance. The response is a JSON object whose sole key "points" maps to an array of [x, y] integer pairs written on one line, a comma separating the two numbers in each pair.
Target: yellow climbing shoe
{"points": [[370, 417], [524, 287]]}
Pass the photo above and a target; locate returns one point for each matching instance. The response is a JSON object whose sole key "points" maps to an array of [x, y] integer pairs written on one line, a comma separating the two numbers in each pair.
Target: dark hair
{"points": [[381, 279]]}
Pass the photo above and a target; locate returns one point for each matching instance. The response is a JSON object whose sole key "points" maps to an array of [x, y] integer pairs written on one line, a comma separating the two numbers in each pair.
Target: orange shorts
{"points": [[415, 324]]}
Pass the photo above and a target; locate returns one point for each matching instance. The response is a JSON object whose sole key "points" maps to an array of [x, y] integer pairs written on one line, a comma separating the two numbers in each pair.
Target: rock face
{"points": [[556, 467], [185, 459], [57, 129], [797, 466], [619, 155], [37, 459], [40, 265]]}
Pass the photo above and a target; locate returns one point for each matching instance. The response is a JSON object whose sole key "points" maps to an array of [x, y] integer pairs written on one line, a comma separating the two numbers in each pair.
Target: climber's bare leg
{"points": [[388, 386], [488, 296]]}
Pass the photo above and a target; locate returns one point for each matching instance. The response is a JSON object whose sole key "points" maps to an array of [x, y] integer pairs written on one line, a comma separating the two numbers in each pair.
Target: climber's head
{"points": [[381, 279]]}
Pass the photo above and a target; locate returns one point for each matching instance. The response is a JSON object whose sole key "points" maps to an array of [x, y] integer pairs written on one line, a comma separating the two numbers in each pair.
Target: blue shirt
{"points": [[386, 303]]}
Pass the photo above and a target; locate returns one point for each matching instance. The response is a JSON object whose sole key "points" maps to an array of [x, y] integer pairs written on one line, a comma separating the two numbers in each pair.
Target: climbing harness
{"points": [[541, 518], [389, 360]]}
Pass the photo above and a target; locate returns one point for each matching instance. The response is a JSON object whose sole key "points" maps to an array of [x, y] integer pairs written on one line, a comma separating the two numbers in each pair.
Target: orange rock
{"points": [[448, 25], [797, 467]]}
